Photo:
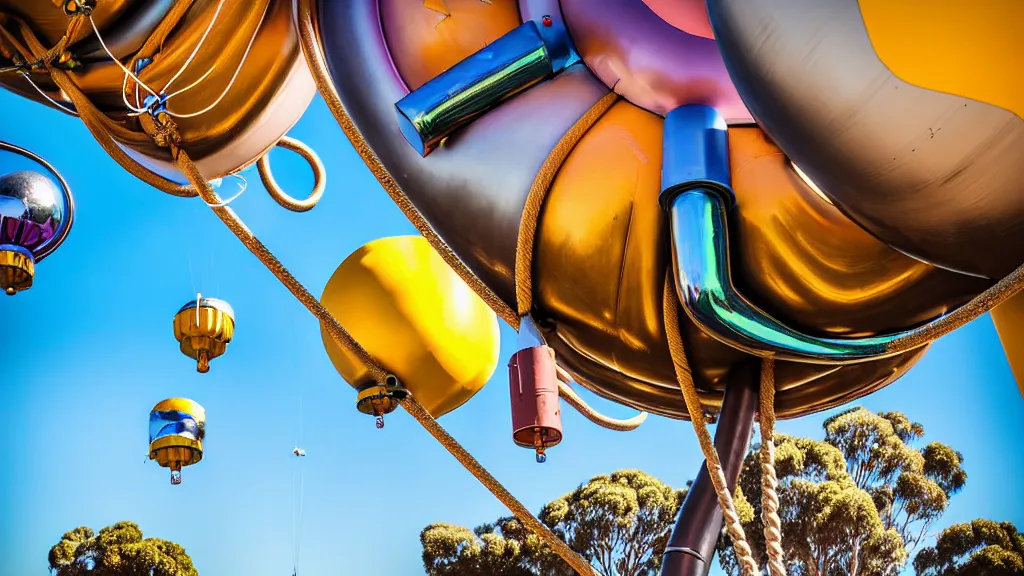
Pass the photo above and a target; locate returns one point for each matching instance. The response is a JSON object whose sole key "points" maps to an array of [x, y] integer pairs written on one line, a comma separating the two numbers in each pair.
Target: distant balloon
{"points": [[35, 218], [418, 318], [204, 327], [177, 427]]}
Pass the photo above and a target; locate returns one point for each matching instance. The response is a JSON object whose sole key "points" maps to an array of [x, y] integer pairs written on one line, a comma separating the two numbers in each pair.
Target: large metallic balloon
{"points": [[177, 428], [35, 218], [537, 150], [418, 318], [907, 115], [230, 74]]}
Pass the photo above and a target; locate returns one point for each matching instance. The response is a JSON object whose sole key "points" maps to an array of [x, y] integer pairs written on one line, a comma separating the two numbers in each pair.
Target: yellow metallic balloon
{"points": [[1009, 321], [204, 327], [177, 427], [418, 318]]}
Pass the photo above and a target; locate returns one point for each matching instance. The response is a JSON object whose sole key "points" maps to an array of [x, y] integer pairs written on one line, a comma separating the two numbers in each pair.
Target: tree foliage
{"points": [[858, 502], [978, 547], [118, 550], [619, 522]]}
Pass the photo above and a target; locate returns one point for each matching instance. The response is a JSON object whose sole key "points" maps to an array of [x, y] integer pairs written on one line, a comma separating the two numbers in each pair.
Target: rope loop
{"points": [[279, 195]]}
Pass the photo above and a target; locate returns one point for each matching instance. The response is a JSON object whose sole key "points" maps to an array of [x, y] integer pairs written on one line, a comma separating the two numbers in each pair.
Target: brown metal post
{"points": [[691, 547]]}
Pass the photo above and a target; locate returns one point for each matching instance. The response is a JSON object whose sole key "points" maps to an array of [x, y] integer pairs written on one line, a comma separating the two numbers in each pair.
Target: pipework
{"points": [[697, 193]]}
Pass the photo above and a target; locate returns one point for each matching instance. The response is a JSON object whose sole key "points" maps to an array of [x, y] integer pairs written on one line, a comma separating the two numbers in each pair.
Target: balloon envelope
{"points": [[403, 303]]}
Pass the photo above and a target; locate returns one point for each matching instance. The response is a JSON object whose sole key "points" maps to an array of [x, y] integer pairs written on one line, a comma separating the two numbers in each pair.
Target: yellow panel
{"points": [[971, 49], [415, 315], [1009, 320], [183, 405]]}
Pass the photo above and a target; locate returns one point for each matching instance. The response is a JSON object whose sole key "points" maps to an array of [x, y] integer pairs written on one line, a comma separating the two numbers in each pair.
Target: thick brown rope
{"points": [[100, 126], [322, 76], [538, 192], [345, 340], [577, 562], [769, 481], [103, 128], [573, 399], [301, 293], [279, 195], [707, 445]]}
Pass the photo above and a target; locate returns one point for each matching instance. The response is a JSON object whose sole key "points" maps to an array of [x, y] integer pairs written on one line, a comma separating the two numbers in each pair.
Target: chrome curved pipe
{"points": [[515, 62], [696, 191]]}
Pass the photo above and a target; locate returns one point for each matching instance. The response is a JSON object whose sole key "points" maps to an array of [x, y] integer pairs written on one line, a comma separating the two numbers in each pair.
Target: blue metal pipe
{"points": [[516, 61], [696, 190]]}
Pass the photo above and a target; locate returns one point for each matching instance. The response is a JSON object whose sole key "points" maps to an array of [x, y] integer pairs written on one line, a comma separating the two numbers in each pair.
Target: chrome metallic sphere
{"points": [[34, 213], [35, 217]]}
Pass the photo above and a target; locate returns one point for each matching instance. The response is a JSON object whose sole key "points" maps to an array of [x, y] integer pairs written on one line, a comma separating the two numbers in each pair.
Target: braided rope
{"points": [[675, 345], [769, 480]]}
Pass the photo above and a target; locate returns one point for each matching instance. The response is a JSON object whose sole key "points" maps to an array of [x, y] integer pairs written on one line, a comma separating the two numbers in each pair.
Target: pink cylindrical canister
{"points": [[533, 387]]}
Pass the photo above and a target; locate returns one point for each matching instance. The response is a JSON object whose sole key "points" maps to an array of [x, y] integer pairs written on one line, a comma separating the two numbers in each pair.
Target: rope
{"points": [[769, 481], [279, 195], [345, 340], [675, 345], [538, 193], [322, 77], [580, 565], [235, 224], [572, 399]]}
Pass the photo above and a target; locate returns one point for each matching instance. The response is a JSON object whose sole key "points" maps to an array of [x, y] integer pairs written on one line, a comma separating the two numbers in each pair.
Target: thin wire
{"points": [[194, 50], [192, 85], [118, 62], [233, 77], [137, 110], [298, 537], [62, 107]]}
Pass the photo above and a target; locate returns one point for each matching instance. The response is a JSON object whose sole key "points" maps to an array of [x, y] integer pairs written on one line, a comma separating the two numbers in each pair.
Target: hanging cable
{"points": [[231, 82], [59, 106], [195, 50]]}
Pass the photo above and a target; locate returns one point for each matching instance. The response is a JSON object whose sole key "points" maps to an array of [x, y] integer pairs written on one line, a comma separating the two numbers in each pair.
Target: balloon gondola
{"points": [[35, 219], [177, 428]]}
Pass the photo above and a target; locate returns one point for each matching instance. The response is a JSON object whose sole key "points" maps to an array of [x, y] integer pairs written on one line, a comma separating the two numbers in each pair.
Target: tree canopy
{"points": [[118, 550], [858, 502], [619, 522], [978, 547]]}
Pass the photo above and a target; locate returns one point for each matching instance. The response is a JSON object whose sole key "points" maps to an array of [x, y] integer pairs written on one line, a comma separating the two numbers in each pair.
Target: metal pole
{"points": [[691, 546]]}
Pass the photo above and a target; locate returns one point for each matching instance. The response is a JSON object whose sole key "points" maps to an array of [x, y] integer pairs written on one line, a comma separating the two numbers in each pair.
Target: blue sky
{"points": [[89, 350]]}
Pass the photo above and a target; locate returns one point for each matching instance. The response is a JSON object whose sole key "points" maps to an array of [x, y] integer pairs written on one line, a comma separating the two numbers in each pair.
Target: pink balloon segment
{"points": [[650, 62]]}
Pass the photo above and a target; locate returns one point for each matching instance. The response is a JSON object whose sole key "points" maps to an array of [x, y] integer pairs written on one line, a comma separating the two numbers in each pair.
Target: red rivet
{"points": [[547, 21]]}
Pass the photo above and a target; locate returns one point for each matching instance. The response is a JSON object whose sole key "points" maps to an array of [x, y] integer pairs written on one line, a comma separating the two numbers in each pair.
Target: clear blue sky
{"points": [[89, 350]]}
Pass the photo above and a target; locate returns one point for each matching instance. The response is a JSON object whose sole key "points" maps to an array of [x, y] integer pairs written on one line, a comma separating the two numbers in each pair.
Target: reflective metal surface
{"points": [[214, 303], [34, 213], [797, 257], [426, 38], [49, 21], [700, 251], [600, 251], [934, 175], [699, 522], [511, 64], [472, 189], [690, 16], [649, 61], [269, 94]]}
